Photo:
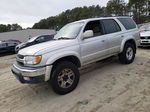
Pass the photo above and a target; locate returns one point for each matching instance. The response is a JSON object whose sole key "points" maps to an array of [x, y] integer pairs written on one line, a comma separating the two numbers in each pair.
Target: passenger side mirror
{"points": [[87, 34]]}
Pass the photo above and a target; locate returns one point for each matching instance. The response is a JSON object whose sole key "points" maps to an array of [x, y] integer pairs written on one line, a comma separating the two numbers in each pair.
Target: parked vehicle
{"points": [[8, 46], [77, 44], [33, 41], [18, 41], [145, 35]]}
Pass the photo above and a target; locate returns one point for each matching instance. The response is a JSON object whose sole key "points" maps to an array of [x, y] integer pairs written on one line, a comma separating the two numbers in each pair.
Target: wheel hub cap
{"points": [[66, 78], [129, 53]]}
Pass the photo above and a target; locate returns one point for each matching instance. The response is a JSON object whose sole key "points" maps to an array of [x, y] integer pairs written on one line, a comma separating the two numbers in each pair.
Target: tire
{"points": [[65, 77], [128, 54]]}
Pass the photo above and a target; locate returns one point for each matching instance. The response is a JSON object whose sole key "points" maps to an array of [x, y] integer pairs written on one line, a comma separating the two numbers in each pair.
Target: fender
{"points": [[124, 41], [57, 56], [54, 58]]}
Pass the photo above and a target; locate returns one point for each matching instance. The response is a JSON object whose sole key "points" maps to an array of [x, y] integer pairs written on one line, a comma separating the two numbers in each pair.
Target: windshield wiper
{"points": [[64, 38]]}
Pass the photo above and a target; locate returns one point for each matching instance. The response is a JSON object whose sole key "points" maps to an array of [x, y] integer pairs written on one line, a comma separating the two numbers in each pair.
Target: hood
{"points": [[145, 34], [48, 46]]}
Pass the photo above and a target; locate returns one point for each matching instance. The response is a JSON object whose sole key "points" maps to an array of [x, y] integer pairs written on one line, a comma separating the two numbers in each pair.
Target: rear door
{"points": [[11, 46], [114, 35], [3, 48]]}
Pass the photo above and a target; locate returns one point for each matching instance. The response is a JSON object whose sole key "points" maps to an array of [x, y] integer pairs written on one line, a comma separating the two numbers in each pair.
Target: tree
{"points": [[116, 7], [137, 7], [9, 27], [15, 27], [78, 13], [3, 28]]}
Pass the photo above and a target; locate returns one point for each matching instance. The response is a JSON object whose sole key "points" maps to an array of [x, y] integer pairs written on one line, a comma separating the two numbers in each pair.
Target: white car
{"points": [[145, 35]]}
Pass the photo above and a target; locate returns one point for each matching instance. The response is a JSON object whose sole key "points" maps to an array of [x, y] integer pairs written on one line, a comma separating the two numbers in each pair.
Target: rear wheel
{"points": [[128, 54], [65, 77]]}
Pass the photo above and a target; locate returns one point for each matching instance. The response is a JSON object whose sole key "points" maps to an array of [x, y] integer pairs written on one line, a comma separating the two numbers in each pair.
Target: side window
{"points": [[3, 45], [128, 23], [40, 39], [47, 37], [95, 26], [11, 43], [110, 26]]}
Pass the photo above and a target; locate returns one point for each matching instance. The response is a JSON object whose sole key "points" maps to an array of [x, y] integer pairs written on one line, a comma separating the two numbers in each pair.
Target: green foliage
{"points": [[6, 28], [68, 16], [116, 7], [138, 9]]}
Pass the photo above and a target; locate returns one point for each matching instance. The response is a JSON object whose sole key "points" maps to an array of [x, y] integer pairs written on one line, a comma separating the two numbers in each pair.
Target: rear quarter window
{"points": [[128, 23]]}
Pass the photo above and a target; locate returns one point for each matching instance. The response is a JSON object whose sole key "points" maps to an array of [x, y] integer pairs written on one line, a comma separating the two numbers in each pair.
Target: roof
{"points": [[91, 19]]}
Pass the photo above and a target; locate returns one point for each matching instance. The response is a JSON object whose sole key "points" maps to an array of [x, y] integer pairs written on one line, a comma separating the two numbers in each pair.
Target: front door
{"points": [[95, 47]]}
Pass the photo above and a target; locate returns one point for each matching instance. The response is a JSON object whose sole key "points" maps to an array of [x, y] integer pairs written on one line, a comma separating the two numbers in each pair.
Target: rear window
{"points": [[110, 26], [128, 23]]}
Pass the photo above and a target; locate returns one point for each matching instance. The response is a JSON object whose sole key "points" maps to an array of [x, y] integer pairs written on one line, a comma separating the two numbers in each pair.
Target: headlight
{"points": [[32, 60]]}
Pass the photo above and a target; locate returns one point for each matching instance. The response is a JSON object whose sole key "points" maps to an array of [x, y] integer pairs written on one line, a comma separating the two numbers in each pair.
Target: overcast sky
{"points": [[28, 12]]}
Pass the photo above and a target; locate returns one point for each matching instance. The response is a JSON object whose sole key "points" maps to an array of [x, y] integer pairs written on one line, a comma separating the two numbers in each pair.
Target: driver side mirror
{"points": [[87, 34]]}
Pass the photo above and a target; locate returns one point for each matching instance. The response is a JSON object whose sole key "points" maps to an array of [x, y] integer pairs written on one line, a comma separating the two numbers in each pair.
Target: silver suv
{"points": [[75, 45]]}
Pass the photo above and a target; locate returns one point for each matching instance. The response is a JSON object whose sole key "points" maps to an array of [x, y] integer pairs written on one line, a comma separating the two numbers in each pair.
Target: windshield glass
{"points": [[69, 31], [145, 28], [32, 39]]}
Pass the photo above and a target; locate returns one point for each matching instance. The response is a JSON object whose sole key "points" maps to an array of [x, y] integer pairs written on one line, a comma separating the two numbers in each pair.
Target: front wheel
{"points": [[128, 54], [65, 77]]}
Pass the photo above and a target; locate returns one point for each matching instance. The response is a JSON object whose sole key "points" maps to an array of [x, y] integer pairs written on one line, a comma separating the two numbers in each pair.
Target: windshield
{"points": [[32, 39], [145, 28], [69, 31]]}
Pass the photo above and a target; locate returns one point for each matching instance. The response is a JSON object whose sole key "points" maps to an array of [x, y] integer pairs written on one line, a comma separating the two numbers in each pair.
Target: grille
{"points": [[20, 63], [148, 37]]}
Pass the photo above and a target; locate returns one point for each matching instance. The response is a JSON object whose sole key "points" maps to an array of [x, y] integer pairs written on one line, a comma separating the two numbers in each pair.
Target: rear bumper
{"points": [[31, 75]]}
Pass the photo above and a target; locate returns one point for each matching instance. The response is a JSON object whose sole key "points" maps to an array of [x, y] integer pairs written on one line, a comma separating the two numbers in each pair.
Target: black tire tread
{"points": [[122, 56], [56, 70]]}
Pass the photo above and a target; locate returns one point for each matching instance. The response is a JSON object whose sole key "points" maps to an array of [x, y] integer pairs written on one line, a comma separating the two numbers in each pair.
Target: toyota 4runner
{"points": [[75, 45]]}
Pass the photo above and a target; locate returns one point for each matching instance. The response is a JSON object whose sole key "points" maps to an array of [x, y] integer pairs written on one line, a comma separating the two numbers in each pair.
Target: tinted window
{"points": [[40, 39], [95, 27], [12, 44], [128, 23], [2, 45], [110, 26], [48, 37]]}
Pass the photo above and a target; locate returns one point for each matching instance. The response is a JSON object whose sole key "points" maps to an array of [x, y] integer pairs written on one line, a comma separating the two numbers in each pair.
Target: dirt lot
{"points": [[106, 86]]}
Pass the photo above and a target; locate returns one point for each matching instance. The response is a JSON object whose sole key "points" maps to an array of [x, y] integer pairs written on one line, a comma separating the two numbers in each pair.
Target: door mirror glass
{"points": [[87, 34]]}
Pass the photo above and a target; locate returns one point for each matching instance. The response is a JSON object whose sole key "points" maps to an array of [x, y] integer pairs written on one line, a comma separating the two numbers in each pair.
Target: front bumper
{"points": [[145, 42], [31, 75]]}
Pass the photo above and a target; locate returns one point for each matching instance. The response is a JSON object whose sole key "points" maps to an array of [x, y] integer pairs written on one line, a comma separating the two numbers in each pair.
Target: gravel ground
{"points": [[106, 86]]}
